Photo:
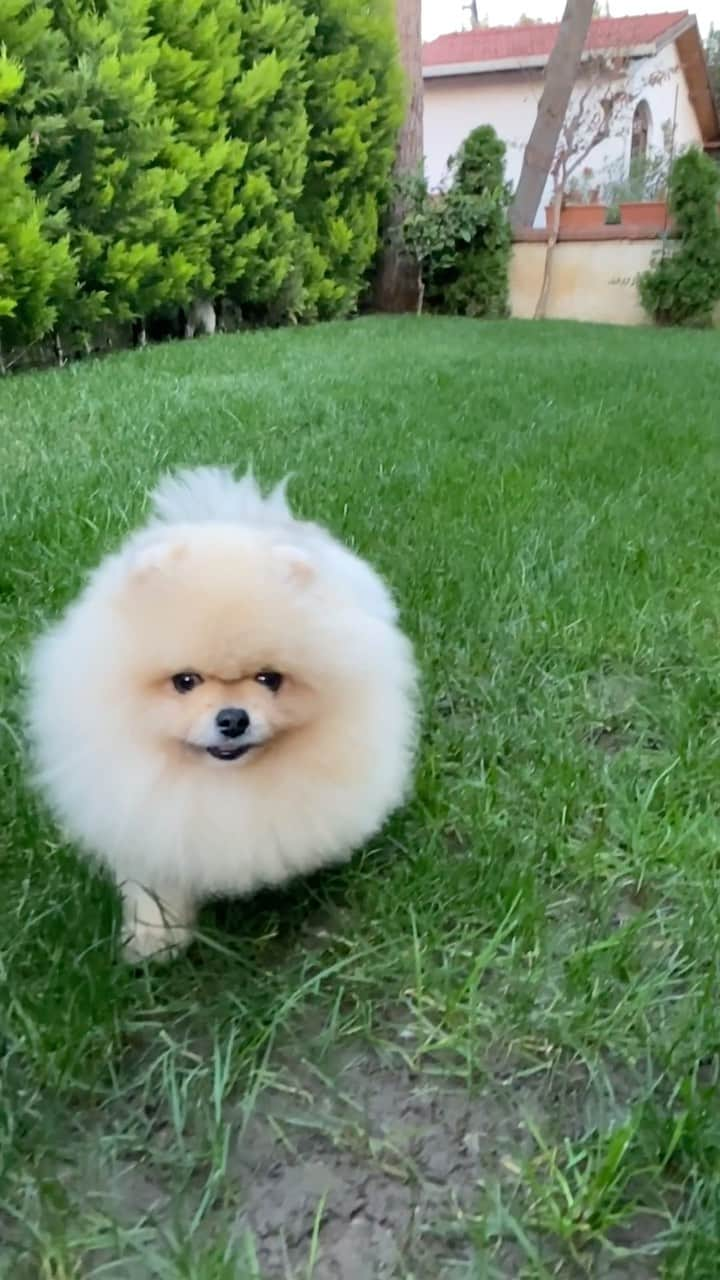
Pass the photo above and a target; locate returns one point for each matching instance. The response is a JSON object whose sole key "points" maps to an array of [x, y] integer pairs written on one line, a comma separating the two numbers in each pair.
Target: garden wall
{"points": [[594, 275]]}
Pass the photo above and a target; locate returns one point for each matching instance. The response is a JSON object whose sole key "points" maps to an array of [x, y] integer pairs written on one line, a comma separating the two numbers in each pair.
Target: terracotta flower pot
{"points": [[645, 215], [578, 217]]}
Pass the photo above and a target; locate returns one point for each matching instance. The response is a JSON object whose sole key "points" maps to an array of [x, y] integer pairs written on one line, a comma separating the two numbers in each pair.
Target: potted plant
{"points": [[644, 215], [578, 217], [581, 209], [641, 197]]}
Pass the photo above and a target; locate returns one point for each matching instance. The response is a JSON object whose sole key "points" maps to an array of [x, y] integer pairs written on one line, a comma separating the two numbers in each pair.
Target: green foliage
{"points": [[37, 273], [683, 288], [180, 148], [354, 106], [438, 229], [196, 67], [267, 107], [647, 179], [98, 159], [478, 285], [479, 165], [460, 239], [32, 33]]}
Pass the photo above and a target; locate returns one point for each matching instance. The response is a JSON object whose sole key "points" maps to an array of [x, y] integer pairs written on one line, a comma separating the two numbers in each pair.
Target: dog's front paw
{"points": [[155, 942], [153, 929]]}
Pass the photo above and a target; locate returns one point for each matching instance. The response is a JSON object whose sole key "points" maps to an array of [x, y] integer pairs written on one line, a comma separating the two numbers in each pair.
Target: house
{"points": [[494, 75]]}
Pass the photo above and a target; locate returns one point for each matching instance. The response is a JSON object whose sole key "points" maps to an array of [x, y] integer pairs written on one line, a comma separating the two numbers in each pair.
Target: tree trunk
{"points": [[560, 76], [58, 349], [397, 283], [553, 233]]}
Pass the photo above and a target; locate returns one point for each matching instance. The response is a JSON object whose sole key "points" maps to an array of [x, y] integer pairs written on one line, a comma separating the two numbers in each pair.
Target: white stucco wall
{"points": [[661, 98], [591, 280], [595, 280], [508, 101]]}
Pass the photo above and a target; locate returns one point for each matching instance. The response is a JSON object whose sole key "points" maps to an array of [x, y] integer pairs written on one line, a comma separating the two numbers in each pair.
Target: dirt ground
{"points": [[397, 1165], [351, 1168]]}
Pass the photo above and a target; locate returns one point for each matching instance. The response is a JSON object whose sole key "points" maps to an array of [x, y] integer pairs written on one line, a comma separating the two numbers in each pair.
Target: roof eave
{"points": [[532, 62], [694, 67], [443, 69], [671, 34]]}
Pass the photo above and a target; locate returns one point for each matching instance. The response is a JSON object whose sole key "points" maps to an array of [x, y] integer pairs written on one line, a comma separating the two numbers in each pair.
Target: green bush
{"points": [[196, 66], [354, 105], [460, 239], [101, 158], [237, 148], [683, 287], [478, 283], [267, 107], [37, 273]]}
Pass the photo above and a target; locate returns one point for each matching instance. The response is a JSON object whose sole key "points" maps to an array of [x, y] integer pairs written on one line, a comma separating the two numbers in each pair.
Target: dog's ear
{"points": [[155, 558], [296, 564]]}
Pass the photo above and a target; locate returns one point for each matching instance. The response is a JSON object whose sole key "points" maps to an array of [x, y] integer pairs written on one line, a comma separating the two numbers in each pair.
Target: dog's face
{"points": [[228, 717], [223, 646]]}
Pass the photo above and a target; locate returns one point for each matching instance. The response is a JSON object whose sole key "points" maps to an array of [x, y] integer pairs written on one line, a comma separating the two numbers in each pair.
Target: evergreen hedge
{"points": [[683, 286], [153, 152]]}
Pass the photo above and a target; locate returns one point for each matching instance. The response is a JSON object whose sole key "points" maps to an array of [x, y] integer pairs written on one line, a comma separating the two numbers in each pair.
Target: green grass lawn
{"points": [[489, 1046]]}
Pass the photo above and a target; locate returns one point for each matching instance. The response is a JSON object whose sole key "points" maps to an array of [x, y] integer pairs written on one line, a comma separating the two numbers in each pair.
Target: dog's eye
{"points": [[185, 681], [270, 680]]}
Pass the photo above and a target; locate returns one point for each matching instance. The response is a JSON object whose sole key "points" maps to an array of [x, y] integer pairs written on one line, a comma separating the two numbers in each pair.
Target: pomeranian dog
{"points": [[229, 703]]}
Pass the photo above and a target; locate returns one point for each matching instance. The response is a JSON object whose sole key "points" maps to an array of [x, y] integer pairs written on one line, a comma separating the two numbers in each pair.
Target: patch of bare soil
{"points": [[386, 1169]]}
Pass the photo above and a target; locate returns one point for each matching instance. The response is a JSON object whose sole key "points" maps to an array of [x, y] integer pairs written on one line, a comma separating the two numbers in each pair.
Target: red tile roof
{"points": [[491, 44]]}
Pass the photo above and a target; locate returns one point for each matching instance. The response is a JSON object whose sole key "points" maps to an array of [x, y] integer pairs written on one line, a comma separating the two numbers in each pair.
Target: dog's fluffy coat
{"points": [[226, 584]]}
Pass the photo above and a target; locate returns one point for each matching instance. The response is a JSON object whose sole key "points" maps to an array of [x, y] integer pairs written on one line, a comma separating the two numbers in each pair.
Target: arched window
{"points": [[640, 132]]}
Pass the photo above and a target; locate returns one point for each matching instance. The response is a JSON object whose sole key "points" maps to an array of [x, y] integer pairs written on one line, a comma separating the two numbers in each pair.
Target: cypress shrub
{"points": [[196, 67], [267, 108], [684, 287], [355, 104], [477, 284], [37, 273], [172, 149]]}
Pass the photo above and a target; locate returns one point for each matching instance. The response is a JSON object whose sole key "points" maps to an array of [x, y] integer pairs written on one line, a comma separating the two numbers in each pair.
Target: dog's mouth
{"points": [[230, 753]]}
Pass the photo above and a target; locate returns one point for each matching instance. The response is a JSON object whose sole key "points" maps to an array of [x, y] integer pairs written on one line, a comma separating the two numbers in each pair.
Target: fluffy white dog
{"points": [[228, 703]]}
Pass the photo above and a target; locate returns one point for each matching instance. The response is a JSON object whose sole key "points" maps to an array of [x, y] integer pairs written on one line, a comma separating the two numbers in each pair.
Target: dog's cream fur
{"points": [[227, 584]]}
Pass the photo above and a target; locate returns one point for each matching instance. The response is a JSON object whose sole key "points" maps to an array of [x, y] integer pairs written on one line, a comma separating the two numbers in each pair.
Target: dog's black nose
{"points": [[232, 722]]}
